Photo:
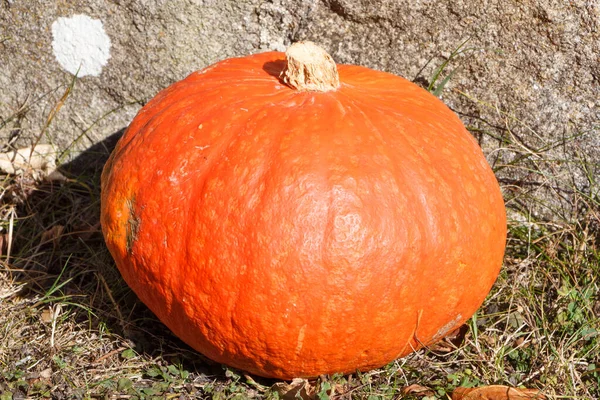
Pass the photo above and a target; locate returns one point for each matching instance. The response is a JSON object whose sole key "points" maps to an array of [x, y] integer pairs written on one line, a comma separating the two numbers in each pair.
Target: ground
{"points": [[70, 327]]}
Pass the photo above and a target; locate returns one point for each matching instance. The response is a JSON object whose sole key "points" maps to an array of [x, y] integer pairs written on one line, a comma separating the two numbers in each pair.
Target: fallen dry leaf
{"points": [[47, 315], [46, 374], [496, 392], [52, 235], [418, 390], [297, 389], [450, 342], [40, 158], [10, 290], [487, 340]]}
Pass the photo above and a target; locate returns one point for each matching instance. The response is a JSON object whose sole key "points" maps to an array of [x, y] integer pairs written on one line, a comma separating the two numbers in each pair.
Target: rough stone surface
{"points": [[527, 79]]}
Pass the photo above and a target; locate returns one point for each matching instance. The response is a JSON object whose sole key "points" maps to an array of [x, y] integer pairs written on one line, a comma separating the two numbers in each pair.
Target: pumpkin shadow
{"points": [[274, 68], [60, 256]]}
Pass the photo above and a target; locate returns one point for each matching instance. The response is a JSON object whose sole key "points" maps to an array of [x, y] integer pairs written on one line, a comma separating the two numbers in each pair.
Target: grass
{"points": [[70, 327]]}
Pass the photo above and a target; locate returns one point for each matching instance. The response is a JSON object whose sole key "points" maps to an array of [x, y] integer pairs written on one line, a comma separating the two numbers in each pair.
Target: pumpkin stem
{"points": [[310, 68]]}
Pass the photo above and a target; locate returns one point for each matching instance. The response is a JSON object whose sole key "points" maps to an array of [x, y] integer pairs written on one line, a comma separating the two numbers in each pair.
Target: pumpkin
{"points": [[291, 217]]}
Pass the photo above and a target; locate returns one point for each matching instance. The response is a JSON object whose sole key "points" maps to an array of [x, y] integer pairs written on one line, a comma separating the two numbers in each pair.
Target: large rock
{"points": [[527, 79]]}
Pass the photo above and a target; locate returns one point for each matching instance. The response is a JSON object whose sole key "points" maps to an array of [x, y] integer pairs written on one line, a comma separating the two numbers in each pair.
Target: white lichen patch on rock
{"points": [[80, 45]]}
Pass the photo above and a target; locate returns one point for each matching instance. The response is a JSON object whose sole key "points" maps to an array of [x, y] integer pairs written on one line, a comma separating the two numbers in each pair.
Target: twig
{"points": [[55, 314], [112, 299], [11, 223], [109, 354]]}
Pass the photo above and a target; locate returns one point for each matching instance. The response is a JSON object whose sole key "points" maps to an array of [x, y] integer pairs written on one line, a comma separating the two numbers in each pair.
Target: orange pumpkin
{"points": [[289, 224]]}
